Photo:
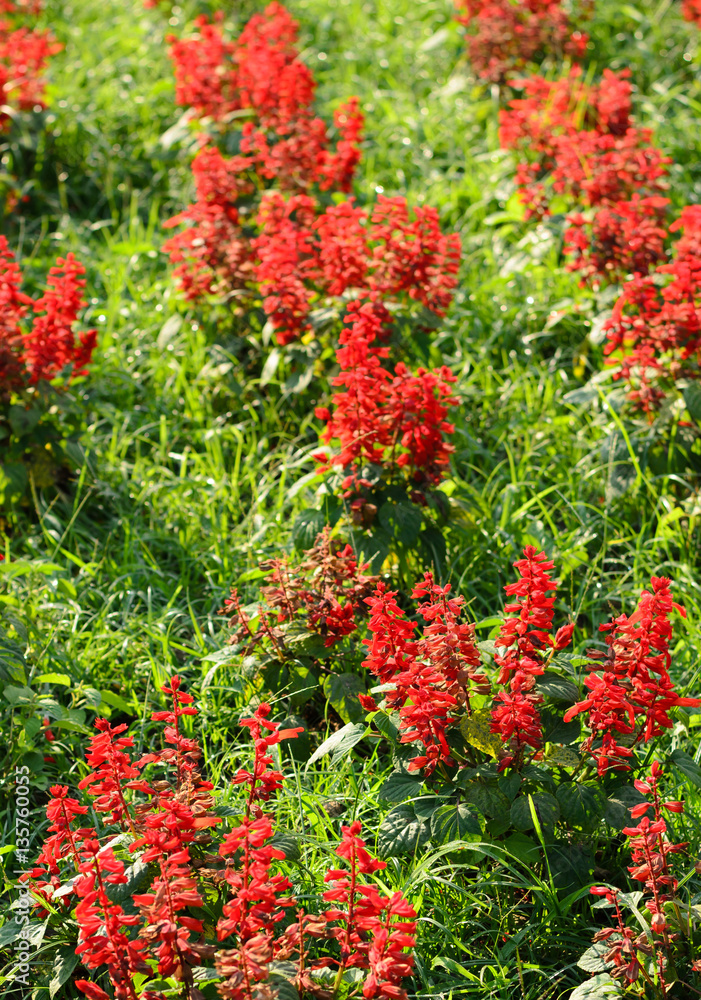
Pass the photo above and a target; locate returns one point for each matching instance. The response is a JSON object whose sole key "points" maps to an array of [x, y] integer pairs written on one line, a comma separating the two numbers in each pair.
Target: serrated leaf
{"points": [[593, 958], [476, 733], [601, 987], [64, 963], [23, 420], [687, 765], [487, 798], [457, 821], [287, 842], [306, 528], [618, 806], [399, 786], [582, 803], [546, 806], [556, 756], [692, 399], [402, 521], [522, 847], [342, 692], [388, 725], [557, 687], [556, 730], [340, 743], [138, 878], [401, 832]]}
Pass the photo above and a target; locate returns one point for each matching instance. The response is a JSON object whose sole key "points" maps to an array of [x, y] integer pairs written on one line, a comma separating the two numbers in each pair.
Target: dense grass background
{"points": [[194, 465]]}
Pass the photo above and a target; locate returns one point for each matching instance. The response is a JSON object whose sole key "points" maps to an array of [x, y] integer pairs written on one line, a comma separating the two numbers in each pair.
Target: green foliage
{"points": [[194, 466]]}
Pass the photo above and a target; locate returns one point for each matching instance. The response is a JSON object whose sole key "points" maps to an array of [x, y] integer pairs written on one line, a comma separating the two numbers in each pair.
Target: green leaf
{"points": [[303, 684], [546, 806], [582, 803], [270, 366], [601, 987], [692, 398], [9, 932], [489, 799], [306, 528], [116, 701], [433, 544], [687, 765], [372, 549], [593, 958], [475, 729], [402, 521], [617, 809], [457, 821], [342, 692], [399, 786], [289, 843], [138, 878], [556, 756], [401, 832], [18, 695], [13, 482], [51, 678], [522, 848], [556, 730], [388, 725], [64, 963], [558, 688], [571, 866], [340, 743], [22, 421]]}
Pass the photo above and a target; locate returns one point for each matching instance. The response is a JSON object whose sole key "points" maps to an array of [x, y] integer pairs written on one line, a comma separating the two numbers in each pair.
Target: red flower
{"points": [[633, 693], [431, 678], [656, 322], [529, 647], [504, 36]]}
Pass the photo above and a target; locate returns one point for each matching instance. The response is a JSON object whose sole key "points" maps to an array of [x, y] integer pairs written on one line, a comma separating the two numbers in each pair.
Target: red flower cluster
{"points": [[372, 931], [290, 247], [29, 354], [432, 677], [580, 143], [394, 420], [529, 648], [654, 334], [24, 54], [326, 590], [304, 254], [650, 850], [261, 79], [504, 36], [691, 11], [626, 237], [631, 692]]}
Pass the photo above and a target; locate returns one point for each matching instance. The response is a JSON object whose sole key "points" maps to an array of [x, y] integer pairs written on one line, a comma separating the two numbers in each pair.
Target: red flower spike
{"points": [[432, 676], [656, 322], [529, 647], [632, 694], [40, 351], [503, 36], [373, 931]]}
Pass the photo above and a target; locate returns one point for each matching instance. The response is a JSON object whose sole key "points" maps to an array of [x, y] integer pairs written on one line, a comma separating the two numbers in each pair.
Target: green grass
{"points": [[194, 467]]}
